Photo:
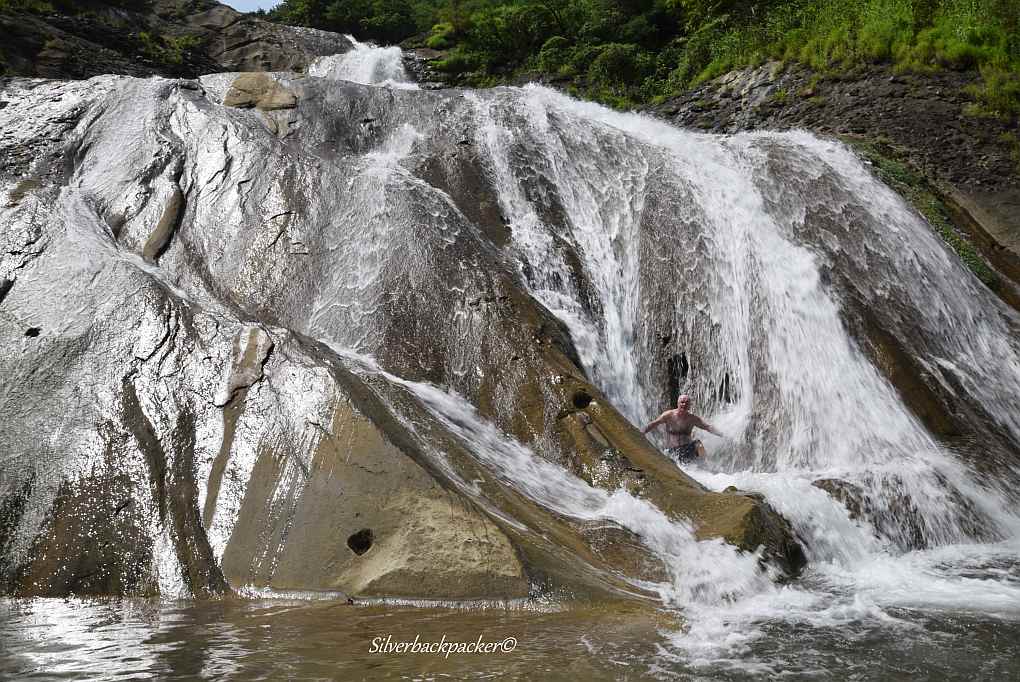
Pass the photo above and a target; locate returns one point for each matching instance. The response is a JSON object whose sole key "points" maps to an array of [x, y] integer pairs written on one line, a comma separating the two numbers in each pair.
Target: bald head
{"points": [[683, 403]]}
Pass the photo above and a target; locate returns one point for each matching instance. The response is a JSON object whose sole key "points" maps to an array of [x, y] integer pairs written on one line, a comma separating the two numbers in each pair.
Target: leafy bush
{"points": [[554, 54], [458, 61], [441, 37]]}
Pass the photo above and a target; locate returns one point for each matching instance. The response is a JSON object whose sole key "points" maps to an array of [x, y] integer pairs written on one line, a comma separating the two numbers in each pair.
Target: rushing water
{"points": [[744, 290], [366, 64], [734, 279]]}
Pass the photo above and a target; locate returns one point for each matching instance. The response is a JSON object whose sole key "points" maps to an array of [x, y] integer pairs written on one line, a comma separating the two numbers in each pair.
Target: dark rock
{"points": [[107, 41]]}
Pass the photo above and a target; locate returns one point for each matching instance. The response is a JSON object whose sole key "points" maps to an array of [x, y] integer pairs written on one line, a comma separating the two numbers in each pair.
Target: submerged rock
{"points": [[887, 506]]}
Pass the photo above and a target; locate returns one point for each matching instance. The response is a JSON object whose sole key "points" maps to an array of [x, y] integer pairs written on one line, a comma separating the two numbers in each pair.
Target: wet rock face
{"points": [[189, 300], [921, 112], [925, 117]]}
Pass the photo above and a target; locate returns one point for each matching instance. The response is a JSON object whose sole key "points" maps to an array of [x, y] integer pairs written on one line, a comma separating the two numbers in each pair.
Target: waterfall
{"points": [[694, 242], [734, 268], [676, 231], [648, 242], [367, 64]]}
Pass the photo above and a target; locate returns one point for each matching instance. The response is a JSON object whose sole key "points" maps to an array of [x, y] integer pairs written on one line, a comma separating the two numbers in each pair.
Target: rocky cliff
{"points": [[178, 38]]}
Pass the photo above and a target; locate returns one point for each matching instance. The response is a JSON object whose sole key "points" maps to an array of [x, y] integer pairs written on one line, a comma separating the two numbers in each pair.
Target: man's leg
{"points": [[700, 447]]}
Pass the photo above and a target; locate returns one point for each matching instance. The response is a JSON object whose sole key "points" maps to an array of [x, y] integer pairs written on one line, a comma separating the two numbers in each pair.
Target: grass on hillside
{"points": [[912, 35], [639, 63]]}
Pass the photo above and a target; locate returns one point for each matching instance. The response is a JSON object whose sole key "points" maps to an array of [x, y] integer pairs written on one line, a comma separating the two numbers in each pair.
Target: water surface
{"points": [[268, 639]]}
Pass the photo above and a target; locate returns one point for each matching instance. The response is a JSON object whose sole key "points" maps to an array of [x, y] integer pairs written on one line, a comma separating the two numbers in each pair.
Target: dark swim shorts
{"points": [[684, 454]]}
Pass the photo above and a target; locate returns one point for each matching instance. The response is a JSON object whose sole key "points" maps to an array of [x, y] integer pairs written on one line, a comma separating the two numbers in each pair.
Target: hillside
{"points": [[176, 38], [626, 52]]}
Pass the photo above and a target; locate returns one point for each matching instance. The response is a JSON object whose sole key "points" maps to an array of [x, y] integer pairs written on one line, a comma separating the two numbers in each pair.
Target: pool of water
{"points": [[269, 639]]}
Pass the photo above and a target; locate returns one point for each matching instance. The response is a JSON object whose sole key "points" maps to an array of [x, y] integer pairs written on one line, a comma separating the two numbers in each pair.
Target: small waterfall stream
{"points": [[366, 64]]}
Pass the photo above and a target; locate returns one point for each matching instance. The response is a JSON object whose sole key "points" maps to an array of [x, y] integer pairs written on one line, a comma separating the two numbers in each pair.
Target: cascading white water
{"points": [[694, 243], [365, 63], [694, 566], [641, 236], [806, 397], [651, 243], [693, 234]]}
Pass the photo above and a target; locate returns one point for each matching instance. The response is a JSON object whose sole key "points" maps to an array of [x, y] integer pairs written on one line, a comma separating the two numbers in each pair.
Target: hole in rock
{"points": [[581, 400], [33, 331], [361, 541]]}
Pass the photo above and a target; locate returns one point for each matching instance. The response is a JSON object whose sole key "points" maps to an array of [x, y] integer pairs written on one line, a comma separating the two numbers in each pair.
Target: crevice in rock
{"points": [[361, 541], [5, 288], [677, 369], [148, 442], [201, 571], [231, 415], [173, 212], [176, 494]]}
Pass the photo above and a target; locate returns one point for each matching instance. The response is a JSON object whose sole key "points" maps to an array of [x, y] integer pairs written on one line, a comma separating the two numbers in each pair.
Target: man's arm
{"points": [[655, 423], [702, 424]]}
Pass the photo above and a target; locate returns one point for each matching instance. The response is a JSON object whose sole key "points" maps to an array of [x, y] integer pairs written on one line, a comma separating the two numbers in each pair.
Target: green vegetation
{"points": [[163, 49], [167, 49], [915, 189], [630, 51], [1013, 142]]}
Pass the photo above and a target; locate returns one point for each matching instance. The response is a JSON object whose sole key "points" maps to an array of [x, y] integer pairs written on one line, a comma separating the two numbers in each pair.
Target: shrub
{"points": [[458, 61], [615, 64], [441, 36], [554, 54], [999, 92]]}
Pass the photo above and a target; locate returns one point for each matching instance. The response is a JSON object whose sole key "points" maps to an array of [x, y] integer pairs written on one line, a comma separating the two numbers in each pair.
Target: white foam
{"points": [[367, 64]]}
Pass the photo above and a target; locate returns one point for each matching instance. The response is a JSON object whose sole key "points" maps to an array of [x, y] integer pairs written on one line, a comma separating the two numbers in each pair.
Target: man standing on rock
{"points": [[679, 424]]}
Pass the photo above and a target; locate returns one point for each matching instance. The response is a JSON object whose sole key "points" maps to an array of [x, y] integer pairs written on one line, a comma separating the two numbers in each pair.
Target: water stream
{"points": [[366, 64]]}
